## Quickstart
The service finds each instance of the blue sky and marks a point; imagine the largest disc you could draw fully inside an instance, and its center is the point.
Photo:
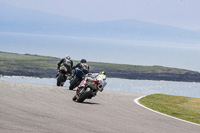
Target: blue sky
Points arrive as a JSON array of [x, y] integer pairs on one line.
[[179, 13]]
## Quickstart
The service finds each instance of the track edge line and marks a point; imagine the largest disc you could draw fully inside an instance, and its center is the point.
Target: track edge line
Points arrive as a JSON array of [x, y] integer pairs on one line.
[[138, 103]]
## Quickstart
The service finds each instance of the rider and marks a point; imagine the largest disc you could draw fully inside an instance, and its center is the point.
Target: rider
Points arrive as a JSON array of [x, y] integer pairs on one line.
[[82, 66], [67, 62], [101, 75], [98, 77], [78, 74]]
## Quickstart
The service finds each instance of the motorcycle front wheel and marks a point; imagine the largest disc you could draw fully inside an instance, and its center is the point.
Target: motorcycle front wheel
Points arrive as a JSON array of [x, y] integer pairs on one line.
[[84, 95]]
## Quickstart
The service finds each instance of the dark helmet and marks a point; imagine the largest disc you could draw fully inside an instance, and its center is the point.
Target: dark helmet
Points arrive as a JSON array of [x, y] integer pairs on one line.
[[83, 61]]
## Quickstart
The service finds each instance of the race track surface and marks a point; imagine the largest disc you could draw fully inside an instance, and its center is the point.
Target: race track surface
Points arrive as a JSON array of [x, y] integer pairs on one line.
[[31, 108]]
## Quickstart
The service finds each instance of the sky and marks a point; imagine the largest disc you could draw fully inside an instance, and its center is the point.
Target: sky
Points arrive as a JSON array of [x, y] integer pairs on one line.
[[179, 13]]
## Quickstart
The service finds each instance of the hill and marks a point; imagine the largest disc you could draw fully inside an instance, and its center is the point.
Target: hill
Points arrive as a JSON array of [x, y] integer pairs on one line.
[[15, 19], [45, 66]]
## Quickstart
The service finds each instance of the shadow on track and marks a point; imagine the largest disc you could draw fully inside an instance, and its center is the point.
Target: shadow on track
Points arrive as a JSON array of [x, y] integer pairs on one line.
[[89, 103]]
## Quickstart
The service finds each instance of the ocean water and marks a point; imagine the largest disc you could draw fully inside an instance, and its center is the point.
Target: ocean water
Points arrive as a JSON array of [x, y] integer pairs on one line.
[[168, 54], [124, 85]]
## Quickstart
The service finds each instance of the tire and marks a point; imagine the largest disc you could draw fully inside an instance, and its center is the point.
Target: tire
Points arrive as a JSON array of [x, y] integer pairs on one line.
[[62, 84], [59, 79], [73, 84], [85, 95], [74, 98]]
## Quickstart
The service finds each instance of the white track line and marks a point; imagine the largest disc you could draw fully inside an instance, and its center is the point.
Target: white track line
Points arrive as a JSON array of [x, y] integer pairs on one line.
[[138, 103]]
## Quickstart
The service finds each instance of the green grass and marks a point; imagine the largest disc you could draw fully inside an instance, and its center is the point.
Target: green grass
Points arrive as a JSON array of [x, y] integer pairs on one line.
[[14, 56], [26, 64], [26, 60], [35, 65], [46, 61], [127, 67], [186, 108]]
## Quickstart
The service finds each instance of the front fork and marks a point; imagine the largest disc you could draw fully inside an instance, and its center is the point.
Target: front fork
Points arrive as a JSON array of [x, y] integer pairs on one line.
[[76, 96], [79, 91]]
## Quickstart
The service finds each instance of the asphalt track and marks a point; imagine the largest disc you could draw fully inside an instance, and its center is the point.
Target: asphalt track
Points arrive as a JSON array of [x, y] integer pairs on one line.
[[31, 108]]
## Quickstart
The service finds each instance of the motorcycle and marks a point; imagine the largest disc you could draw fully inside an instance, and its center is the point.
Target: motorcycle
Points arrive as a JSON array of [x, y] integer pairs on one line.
[[89, 86], [77, 76], [62, 75]]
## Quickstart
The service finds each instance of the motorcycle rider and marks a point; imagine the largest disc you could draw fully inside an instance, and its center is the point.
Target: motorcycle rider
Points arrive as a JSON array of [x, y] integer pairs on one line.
[[98, 76], [83, 66], [103, 76], [81, 69], [67, 62]]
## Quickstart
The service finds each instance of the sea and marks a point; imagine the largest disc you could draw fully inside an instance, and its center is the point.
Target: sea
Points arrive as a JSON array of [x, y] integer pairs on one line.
[[146, 87]]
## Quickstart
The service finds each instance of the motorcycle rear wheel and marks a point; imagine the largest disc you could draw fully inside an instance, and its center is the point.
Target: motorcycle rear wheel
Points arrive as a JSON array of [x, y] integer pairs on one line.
[[59, 79]]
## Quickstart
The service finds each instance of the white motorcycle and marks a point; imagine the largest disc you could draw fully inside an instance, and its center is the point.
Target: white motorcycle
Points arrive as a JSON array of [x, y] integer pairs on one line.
[[89, 86]]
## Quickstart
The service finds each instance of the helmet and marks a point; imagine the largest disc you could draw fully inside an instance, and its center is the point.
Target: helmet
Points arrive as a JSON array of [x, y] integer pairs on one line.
[[83, 60], [103, 73], [68, 57]]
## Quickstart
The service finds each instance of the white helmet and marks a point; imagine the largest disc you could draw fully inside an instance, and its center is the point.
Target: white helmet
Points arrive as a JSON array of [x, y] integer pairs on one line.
[[68, 57]]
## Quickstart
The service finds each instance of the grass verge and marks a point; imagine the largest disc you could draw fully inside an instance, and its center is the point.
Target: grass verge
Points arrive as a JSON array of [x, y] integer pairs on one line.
[[185, 108]]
